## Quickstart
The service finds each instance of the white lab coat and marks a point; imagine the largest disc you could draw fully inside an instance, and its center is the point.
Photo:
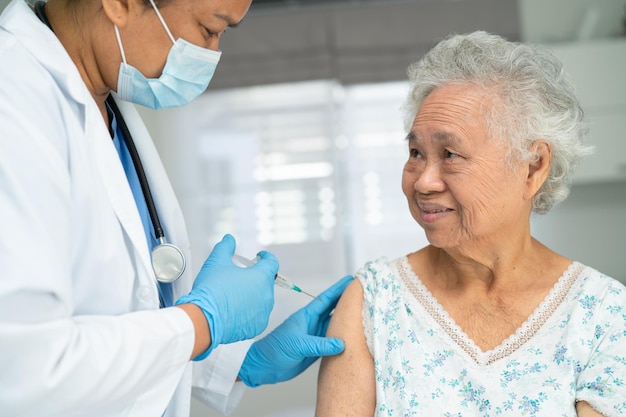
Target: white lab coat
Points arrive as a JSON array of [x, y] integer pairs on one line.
[[81, 333]]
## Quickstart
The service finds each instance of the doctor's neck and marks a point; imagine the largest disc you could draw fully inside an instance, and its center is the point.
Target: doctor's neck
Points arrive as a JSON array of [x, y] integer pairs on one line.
[[82, 27]]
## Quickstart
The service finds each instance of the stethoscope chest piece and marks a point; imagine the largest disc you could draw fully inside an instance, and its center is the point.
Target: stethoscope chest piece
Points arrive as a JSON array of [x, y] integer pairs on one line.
[[168, 262]]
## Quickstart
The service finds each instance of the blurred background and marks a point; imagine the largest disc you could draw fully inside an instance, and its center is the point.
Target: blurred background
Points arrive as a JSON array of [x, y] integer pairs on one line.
[[297, 147]]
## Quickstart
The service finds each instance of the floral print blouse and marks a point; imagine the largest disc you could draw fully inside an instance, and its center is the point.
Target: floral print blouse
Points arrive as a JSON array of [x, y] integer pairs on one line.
[[572, 348]]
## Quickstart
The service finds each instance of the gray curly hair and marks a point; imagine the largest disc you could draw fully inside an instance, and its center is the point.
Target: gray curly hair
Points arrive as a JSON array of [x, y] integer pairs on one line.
[[539, 100]]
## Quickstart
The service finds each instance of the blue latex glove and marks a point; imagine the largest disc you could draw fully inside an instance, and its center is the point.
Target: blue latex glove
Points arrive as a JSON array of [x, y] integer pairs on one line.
[[236, 301], [294, 345]]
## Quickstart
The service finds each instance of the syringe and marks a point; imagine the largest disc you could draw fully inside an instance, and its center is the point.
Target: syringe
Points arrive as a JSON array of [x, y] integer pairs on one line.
[[279, 280]]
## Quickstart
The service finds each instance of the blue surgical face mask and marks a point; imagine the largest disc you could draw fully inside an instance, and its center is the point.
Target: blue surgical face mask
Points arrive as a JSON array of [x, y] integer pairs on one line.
[[187, 73]]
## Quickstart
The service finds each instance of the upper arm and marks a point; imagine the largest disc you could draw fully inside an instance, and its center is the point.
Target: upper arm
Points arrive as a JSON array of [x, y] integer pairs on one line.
[[583, 409], [346, 384], [600, 328]]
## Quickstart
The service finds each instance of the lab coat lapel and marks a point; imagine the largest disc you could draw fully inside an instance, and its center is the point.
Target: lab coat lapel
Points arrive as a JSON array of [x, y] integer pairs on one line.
[[168, 209], [118, 189]]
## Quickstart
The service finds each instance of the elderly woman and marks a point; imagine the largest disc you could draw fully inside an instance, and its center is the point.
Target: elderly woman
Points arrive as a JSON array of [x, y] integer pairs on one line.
[[485, 320]]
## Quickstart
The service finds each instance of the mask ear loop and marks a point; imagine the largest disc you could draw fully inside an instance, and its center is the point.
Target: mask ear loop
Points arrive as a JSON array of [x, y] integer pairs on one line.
[[162, 21], [119, 42]]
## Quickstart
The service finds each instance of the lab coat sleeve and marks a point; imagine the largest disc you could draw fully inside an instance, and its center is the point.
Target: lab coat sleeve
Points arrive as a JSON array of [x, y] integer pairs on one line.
[[214, 379], [92, 366]]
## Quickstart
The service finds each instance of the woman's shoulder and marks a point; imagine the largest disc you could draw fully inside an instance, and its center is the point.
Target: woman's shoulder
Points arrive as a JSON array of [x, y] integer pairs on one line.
[[380, 273], [597, 294], [596, 282], [380, 266]]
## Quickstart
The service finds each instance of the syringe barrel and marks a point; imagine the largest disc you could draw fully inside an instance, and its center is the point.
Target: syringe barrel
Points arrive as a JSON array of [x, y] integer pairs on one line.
[[283, 282], [243, 261], [278, 279]]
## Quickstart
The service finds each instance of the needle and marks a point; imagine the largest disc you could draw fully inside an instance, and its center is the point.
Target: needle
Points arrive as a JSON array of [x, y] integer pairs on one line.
[[279, 280]]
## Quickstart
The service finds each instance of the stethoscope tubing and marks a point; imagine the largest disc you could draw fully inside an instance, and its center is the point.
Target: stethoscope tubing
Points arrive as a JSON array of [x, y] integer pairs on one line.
[[168, 261], [141, 174]]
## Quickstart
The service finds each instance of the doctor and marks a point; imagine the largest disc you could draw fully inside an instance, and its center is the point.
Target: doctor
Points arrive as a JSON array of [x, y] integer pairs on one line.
[[85, 327]]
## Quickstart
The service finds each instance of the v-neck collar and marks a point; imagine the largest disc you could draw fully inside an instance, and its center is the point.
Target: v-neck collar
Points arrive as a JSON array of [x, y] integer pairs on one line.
[[522, 335]]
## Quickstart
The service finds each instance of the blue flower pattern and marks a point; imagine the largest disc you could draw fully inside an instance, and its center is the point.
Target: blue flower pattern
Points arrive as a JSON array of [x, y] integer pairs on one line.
[[579, 353]]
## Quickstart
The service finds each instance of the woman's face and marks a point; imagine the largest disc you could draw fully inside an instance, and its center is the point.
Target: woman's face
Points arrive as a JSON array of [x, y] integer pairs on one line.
[[459, 186], [200, 22]]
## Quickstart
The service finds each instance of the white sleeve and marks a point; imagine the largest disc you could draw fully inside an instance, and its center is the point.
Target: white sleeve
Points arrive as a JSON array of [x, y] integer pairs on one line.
[[215, 378]]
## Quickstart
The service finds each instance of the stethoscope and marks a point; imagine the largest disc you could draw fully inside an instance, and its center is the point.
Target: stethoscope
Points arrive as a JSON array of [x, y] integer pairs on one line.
[[168, 261]]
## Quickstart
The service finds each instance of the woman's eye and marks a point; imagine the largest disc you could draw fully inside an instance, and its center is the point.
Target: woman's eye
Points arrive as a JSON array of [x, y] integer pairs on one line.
[[450, 154]]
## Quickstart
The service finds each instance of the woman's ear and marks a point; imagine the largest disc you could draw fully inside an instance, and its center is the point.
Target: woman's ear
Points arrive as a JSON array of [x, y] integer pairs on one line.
[[117, 11], [539, 167]]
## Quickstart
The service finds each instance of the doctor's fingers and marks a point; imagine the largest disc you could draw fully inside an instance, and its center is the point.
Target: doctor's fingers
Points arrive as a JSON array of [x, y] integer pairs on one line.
[[222, 252], [327, 300], [267, 263]]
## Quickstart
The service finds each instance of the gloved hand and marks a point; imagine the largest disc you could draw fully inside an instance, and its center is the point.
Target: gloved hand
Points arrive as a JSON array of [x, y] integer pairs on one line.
[[294, 345], [236, 301]]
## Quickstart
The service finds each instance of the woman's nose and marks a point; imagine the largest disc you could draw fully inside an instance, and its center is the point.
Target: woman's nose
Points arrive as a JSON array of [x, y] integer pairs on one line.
[[430, 179]]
